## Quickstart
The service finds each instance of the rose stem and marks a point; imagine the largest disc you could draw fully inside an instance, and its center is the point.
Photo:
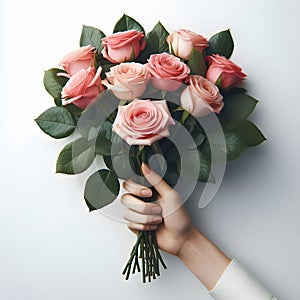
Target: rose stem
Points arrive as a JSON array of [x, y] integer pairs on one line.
[[148, 265], [154, 257], [143, 260], [157, 251], [133, 253], [136, 263]]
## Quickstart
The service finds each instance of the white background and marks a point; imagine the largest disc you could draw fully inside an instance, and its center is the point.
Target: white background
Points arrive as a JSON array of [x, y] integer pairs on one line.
[[53, 249]]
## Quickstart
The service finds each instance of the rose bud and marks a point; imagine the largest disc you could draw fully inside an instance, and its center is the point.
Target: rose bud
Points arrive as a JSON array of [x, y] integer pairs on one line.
[[82, 58], [82, 88], [123, 46], [224, 71], [182, 42]]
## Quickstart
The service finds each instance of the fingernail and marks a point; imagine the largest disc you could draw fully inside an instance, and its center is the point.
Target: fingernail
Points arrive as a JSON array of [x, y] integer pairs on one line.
[[157, 219], [153, 227], [146, 169], [156, 209], [146, 192]]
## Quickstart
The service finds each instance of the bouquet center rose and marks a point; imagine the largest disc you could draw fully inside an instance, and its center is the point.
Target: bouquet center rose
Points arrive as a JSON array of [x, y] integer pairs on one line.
[[143, 122]]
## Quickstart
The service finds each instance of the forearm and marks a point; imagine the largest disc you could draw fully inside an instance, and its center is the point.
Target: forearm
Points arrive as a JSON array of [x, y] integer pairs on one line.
[[203, 258]]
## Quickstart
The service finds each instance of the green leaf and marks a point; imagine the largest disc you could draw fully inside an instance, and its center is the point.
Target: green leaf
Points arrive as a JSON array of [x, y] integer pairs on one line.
[[75, 157], [127, 23], [198, 137], [157, 39], [105, 69], [198, 166], [190, 122], [197, 63], [221, 43], [172, 154], [103, 143], [205, 167], [235, 91], [236, 107], [56, 122], [249, 133], [108, 162], [54, 84], [73, 109], [190, 165], [156, 43], [245, 135], [235, 145], [101, 189], [92, 36]]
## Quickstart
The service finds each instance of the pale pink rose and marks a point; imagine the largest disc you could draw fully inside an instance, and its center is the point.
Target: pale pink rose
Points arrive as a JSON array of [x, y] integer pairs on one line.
[[82, 88], [123, 46], [143, 122], [82, 58], [231, 74], [167, 71], [182, 42], [201, 97], [127, 80]]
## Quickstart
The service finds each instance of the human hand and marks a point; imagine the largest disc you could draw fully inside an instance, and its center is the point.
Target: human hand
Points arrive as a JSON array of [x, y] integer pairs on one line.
[[167, 215]]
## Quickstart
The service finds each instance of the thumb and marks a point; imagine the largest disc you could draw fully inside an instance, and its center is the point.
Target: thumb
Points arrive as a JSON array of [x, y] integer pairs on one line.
[[170, 200], [156, 181]]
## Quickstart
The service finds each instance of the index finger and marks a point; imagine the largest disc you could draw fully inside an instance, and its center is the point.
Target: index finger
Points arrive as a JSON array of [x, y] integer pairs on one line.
[[155, 180], [137, 189]]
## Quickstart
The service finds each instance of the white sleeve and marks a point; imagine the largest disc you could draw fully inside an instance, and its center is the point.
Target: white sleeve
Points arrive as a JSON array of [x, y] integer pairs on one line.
[[236, 283]]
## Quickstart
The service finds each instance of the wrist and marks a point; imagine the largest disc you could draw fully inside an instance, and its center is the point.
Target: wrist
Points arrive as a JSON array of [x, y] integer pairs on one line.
[[193, 238], [203, 258]]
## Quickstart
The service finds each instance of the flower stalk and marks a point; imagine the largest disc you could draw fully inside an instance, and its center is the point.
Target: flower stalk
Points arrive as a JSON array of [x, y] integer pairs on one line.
[[145, 250]]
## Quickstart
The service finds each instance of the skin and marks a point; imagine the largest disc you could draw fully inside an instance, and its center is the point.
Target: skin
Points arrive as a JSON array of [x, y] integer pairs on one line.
[[175, 232]]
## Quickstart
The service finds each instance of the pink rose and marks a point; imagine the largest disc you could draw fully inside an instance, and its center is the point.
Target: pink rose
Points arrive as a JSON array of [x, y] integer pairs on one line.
[[82, 88], [182, 42], [127, 80], [82, 58], [167, 71], [123, 46], [231, 74], [201, 97], [143, 122]]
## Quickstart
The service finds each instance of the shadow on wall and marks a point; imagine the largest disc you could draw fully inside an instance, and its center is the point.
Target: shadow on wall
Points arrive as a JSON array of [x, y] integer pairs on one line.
[[238, 173]]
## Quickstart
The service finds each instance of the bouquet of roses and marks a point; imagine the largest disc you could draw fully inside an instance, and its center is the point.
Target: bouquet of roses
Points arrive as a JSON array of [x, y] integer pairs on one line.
[[170, 100]]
